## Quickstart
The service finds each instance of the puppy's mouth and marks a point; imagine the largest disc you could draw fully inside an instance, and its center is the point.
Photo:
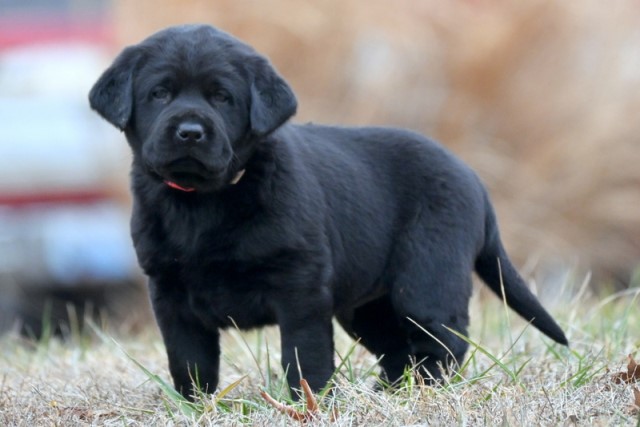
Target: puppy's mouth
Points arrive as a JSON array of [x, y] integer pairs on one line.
[[187, 174]]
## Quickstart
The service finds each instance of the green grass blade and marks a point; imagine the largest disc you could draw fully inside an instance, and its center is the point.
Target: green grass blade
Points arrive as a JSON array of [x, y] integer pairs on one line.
[[486, 352], [187, 408]]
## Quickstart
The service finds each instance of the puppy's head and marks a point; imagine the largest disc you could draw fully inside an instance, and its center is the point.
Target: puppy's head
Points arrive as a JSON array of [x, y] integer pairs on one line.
[[193, 101]]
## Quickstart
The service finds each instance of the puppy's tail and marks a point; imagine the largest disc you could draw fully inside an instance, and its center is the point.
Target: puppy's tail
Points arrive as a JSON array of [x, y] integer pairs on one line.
[[495, 269]]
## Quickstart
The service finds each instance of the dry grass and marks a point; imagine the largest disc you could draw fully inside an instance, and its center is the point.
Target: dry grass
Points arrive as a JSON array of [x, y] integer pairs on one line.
[[511, 378]]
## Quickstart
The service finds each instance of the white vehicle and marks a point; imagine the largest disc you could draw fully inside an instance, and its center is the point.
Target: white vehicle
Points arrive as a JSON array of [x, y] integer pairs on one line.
[[63, 206]]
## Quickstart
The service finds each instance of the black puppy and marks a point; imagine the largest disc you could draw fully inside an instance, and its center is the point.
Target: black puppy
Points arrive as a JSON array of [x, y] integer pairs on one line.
[[241, 219]]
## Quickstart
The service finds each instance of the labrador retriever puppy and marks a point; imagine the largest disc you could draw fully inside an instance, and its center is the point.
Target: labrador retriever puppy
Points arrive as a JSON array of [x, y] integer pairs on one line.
[[243, 219]]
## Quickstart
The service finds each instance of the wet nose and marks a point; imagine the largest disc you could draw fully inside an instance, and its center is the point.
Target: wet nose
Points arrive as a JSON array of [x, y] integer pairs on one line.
[[190, 132]]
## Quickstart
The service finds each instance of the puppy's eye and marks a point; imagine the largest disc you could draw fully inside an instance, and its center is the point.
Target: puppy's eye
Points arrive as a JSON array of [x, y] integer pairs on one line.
[[221, 95], [160, 93]]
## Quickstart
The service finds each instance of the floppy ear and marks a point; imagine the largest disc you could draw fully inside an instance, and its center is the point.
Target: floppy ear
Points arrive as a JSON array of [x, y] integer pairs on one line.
[[272, 100], [112, 95]]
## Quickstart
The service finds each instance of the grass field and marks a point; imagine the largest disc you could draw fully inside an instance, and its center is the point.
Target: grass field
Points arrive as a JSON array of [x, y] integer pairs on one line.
[[512, 376]]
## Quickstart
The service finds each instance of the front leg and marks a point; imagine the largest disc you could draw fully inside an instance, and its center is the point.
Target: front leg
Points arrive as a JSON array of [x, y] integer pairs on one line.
[[193, 350], [306, 334]]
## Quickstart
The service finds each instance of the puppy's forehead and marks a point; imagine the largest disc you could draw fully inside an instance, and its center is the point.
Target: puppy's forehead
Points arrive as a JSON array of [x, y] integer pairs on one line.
[[196, 46]]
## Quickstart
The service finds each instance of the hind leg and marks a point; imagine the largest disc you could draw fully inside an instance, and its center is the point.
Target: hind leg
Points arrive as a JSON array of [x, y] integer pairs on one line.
[[431, 289]]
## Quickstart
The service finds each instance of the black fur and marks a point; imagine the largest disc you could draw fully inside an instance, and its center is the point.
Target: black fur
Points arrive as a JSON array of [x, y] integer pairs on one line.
[[377, 227]]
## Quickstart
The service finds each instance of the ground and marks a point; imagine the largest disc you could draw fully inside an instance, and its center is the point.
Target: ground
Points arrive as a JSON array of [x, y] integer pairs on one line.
[[512, 376]]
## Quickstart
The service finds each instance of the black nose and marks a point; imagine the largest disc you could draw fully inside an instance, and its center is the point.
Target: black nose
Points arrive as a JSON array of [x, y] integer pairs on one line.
[[190, 132]]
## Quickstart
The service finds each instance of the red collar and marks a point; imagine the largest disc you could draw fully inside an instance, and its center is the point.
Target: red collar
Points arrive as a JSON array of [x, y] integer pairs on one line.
[[234, 181]]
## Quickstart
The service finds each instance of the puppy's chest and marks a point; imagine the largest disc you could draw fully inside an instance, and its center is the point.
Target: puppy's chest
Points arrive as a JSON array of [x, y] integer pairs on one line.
[[232, 279], [222, 296]]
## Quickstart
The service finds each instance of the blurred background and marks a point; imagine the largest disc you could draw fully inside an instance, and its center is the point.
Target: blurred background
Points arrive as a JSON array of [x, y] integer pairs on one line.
[[541, 98]]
